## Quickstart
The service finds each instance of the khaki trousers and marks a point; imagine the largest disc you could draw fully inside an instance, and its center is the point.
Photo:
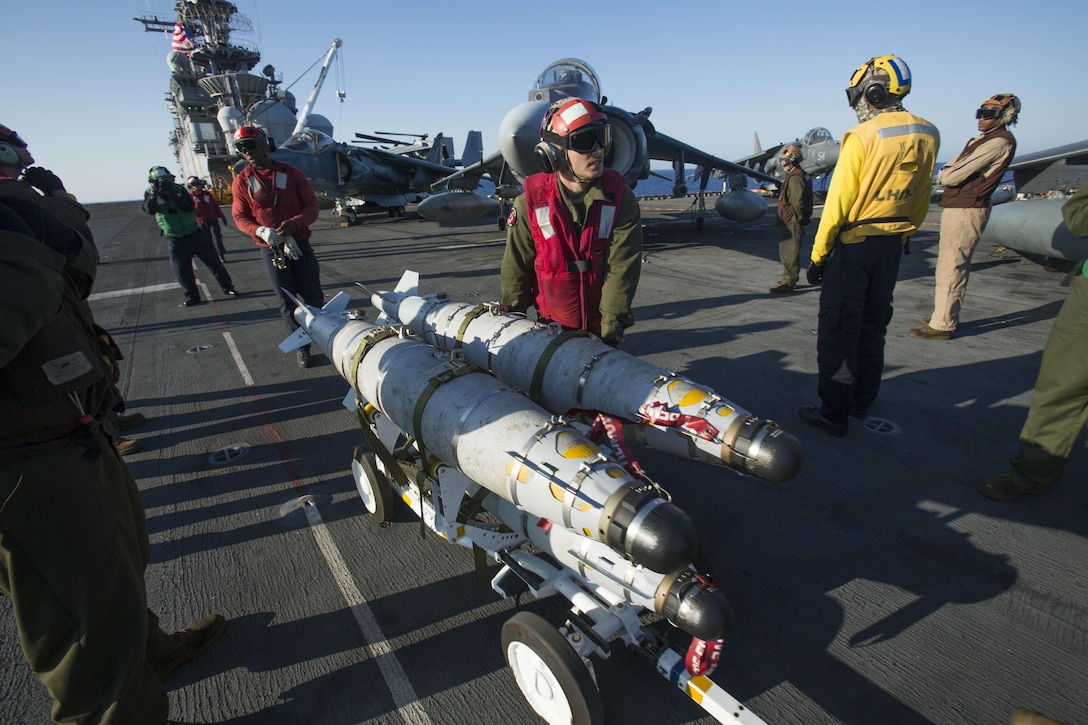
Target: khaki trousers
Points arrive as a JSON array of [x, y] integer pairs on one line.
[[960, 232]]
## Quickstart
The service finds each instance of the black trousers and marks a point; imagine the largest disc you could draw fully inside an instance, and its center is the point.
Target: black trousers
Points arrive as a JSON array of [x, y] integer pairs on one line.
[[215, 233], [302, 278], [855, 309], [182, 251]]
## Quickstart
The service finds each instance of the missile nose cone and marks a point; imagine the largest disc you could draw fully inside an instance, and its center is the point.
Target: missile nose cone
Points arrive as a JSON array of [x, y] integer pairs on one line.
[[768, 451], [663, 540], [701, 611], [650, 530]]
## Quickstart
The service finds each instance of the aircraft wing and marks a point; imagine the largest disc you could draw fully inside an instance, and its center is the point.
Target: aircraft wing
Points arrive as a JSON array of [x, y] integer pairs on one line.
[[409, 162], [667, 148], [493, 166], [759, 158], [1061, 167]]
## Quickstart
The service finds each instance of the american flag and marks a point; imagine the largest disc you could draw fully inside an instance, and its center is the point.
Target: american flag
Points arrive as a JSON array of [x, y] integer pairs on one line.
[[180, 41]]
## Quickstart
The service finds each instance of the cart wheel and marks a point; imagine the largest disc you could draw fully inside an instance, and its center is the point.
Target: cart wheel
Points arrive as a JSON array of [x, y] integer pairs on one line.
[[550, 674], [372, 485]]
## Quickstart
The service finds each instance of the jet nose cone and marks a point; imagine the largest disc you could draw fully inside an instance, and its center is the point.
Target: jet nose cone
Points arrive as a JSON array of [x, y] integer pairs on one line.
[[519, 133]]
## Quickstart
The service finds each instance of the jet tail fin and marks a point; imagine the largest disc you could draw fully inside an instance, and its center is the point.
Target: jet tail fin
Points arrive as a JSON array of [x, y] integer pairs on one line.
[[437, 154], [756, 147], [474, 149]]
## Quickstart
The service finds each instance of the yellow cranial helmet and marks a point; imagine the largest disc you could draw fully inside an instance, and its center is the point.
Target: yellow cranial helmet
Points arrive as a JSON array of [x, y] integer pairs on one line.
[[879, 80]]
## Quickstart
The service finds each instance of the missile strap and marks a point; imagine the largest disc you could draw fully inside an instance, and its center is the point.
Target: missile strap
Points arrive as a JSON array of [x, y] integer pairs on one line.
[[376, 446], [546, 356], [469, 317]]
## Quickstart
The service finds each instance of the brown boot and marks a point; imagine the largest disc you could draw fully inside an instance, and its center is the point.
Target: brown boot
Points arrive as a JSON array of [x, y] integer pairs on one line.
[[126, 446], [783, 288], [186, 644], [928, 333], [1005, 486], [1021, 716], [124, 422]]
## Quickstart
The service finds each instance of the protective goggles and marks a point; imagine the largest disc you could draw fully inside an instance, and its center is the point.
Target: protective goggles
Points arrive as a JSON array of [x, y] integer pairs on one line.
[[247, 145], [13, 139], [585, 140], [989, 112]]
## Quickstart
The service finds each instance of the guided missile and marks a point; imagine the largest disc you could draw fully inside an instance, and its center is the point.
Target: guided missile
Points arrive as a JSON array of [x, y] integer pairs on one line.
[[570, 372], [499, 438], [593, 567]]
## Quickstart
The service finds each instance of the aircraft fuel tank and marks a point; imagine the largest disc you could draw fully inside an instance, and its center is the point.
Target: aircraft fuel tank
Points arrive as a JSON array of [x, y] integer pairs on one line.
[[1034, 226], [741, 205]]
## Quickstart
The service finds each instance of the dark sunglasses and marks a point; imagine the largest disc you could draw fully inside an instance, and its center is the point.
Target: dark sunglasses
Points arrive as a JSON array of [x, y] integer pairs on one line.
[[246, 146], [988, 113], [588, 139]]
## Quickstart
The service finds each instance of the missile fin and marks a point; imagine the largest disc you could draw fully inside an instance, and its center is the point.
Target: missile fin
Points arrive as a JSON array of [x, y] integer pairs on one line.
[[409, 283], [295, 340], [337, 304]]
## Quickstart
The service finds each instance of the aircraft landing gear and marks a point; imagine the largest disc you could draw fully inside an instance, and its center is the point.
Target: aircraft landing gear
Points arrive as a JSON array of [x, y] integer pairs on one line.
[[504, 212], [550, 674], [372, 485], [395, 211], [700, 212]]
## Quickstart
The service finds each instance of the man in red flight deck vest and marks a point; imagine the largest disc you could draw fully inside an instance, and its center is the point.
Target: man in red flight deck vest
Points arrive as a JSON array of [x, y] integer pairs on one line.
[[574, 236], [208, 214]]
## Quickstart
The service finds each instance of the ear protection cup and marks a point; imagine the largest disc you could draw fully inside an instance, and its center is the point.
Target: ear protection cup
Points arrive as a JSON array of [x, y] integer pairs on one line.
[[876, 94], [8, 155], [547, 158]]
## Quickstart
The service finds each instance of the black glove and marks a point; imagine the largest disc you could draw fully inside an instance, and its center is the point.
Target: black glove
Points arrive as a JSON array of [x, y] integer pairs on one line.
[[611, 341], [43, 179], [815, 273]]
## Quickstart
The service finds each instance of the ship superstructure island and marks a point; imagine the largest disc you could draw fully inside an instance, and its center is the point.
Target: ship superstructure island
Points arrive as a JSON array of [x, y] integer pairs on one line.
[[213, 90]]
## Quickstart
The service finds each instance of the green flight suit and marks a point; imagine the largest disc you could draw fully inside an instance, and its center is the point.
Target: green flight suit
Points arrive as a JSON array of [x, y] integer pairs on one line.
[[1059, 403]]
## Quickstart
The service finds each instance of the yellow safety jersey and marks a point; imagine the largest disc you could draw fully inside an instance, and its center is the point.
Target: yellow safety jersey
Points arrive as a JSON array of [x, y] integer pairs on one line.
[[882, 181]]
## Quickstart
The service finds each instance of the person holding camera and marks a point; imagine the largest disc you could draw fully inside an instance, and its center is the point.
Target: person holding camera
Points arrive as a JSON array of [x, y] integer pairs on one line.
[[175, 213], [20, 180]]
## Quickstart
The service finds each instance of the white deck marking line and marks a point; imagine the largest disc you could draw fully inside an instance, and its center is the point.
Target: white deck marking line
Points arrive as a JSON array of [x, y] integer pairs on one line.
[[404, 695], [377, 644], [134, 291]]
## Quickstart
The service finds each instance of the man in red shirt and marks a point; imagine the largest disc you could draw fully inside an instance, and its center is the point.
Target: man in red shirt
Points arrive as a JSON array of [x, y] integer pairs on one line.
[[275, 205], [208, 214]]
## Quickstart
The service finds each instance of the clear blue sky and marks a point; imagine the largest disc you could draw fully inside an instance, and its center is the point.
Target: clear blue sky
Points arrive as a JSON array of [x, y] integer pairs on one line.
[[85, 85]]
